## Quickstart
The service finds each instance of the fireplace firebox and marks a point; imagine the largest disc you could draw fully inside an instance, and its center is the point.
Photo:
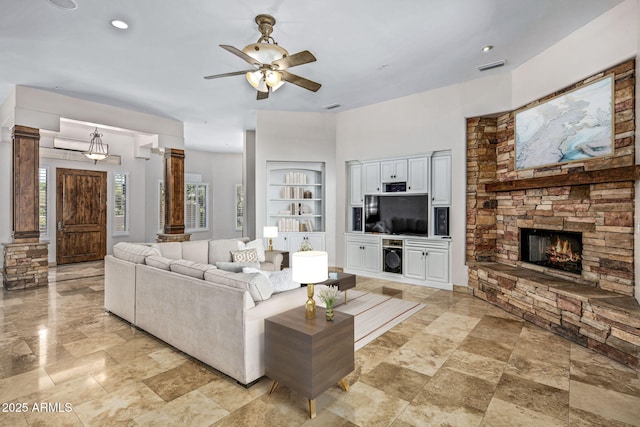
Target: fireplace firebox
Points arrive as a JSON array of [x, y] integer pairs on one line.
[[561, 250]]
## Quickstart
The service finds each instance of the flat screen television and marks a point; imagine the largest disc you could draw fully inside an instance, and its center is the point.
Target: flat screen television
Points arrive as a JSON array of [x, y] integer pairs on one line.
[[396, 214]]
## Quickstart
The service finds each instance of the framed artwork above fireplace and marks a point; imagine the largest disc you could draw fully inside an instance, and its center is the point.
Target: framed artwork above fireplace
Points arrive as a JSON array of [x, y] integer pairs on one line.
[[575, 125]]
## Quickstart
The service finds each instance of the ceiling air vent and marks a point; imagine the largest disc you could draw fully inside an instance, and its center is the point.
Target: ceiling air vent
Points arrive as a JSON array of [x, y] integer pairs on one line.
[[491, 65], [332, 106]]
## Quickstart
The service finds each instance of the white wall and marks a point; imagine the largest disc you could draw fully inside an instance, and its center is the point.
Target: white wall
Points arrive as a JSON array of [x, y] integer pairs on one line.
[[304, 137], [220, 171], [606, 41]]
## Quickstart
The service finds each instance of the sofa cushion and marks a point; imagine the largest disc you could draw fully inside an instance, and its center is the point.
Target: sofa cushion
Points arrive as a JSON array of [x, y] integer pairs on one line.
[[171, 250], [248, 255], [258, 285], [220, 250], [196, 251], [133, 252], [254, 244], [190, 268], [158, 261], [236, 267]]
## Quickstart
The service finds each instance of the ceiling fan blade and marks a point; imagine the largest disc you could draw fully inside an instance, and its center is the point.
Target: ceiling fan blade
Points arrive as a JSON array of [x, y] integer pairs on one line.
[[262, 95], [242, 55], [233, 73], [299, 58], [300, 81]]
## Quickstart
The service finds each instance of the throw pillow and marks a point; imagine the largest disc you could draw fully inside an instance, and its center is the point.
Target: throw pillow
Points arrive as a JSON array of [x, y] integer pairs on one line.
[[254, 244], [281, 281], [237, 267], [250, 270], [249, 255], [260, 287]]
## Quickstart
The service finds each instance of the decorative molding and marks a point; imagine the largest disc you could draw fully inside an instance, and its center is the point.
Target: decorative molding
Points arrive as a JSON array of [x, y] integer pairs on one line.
[[76, 156]]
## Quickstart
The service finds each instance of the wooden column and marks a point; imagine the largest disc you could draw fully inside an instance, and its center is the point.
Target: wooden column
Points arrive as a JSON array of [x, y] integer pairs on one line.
[[173, 196], [25, 259], [26, 162]]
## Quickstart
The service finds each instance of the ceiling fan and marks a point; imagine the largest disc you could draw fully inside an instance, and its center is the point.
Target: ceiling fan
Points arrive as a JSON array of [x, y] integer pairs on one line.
[[270, 61]]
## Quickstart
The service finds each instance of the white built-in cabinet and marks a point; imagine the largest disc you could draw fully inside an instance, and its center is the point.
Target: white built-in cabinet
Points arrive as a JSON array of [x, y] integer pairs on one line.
[[418, 180], [441, 180], [356, 196], [426, 260], [291, 241], [393, 170], [371, 178], [295, 204], [363, 253]]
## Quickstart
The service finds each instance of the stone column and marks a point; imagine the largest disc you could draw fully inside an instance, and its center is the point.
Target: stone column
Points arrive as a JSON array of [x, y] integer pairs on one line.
[[173, 197], [25, 259]]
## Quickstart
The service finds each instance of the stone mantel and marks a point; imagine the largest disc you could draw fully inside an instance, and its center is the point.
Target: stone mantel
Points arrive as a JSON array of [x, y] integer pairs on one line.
[[620, 174]]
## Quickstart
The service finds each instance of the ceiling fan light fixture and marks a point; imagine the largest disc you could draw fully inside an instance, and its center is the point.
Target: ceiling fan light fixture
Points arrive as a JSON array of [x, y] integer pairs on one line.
[[254, 77], [273, 78], [266, 53], [276, 87]]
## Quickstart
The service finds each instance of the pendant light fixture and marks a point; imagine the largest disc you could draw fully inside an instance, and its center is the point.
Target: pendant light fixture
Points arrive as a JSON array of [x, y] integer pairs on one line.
[[97, 150]]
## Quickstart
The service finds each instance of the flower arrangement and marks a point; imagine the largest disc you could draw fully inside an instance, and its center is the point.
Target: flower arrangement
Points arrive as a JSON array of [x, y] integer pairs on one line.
[[329, 296], [306, 246]]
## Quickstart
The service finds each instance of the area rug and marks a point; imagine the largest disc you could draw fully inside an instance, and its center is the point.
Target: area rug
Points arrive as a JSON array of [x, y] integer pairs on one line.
[[375, 314]]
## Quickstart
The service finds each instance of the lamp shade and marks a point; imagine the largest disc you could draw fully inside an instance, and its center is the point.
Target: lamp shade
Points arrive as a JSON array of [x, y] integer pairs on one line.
[[309, 267], [270, 231]]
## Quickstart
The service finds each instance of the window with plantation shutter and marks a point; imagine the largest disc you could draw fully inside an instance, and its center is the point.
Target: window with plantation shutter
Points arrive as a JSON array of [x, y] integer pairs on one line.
[[120, 203], [196, 203], [42, 207], [196, 207], [239, 207]]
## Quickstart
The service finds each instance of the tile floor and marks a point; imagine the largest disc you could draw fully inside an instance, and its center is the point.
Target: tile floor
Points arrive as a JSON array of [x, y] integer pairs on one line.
[[458, 362]]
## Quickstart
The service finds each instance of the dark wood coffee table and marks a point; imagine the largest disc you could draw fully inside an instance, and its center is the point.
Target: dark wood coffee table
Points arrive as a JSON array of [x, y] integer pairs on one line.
[[343, 282], [308, 355]]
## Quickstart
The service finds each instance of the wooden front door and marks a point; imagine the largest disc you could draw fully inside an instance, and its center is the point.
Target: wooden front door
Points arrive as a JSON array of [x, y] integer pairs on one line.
[[81, 215]]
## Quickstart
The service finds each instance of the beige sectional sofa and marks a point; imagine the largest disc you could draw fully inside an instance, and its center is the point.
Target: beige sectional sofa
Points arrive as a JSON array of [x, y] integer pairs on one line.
[[174, 292]]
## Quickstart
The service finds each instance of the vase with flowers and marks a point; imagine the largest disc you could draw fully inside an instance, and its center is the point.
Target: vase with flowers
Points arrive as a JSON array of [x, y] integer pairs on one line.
[[329, 296]]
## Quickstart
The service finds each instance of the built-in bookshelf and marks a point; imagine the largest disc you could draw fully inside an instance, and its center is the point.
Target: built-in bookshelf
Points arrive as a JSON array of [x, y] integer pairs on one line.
[[295, 196]]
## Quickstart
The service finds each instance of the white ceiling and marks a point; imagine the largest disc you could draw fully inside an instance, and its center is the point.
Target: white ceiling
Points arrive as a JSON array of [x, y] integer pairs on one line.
[[368, 51]]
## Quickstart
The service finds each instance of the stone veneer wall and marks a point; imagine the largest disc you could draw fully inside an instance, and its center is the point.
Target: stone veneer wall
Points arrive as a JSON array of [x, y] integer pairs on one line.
[[602, 316], [603, 212], [25, 265], [481, 206]]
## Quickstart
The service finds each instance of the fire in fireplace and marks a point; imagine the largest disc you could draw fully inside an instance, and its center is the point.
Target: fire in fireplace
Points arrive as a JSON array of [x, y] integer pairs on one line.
[[561, 250]]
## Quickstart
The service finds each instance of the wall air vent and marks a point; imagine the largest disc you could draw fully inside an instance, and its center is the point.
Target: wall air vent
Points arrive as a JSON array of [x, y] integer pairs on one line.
[[491, 65]]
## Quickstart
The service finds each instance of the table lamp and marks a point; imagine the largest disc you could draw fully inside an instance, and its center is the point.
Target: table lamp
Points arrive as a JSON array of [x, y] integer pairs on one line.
[[270, 232], [309, 267]]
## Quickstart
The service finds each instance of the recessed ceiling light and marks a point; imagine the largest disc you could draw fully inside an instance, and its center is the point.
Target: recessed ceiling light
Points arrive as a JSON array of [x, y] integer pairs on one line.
[[64, 4], [487, 48], [120, 24]]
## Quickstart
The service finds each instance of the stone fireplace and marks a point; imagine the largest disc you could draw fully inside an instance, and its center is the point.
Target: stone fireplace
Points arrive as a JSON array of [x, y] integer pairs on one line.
[[561, 250], [555, 244]]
